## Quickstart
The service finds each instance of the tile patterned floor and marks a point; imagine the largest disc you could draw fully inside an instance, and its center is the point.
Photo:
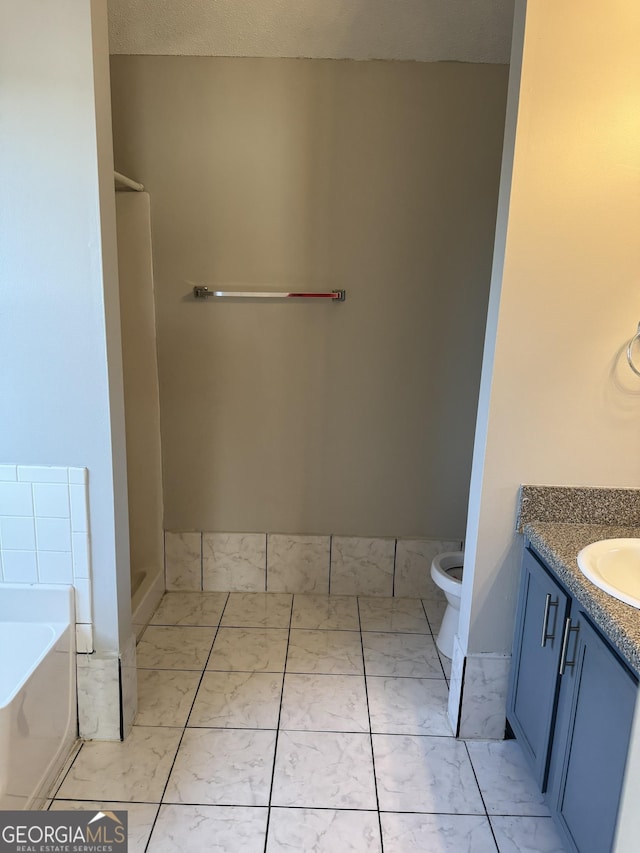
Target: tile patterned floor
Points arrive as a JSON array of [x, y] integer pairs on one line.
[[305, 724]]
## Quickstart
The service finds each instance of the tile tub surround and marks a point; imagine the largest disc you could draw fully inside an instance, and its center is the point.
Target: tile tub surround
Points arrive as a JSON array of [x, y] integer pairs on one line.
[[243, 758], [44, 533], [45, 538], [278, 562]]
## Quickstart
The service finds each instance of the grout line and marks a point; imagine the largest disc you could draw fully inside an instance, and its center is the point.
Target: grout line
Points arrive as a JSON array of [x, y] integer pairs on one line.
[[266, 561], [184, 728], [373, 757], [393, 580], [475, 776], [64, 773], [275, 747]]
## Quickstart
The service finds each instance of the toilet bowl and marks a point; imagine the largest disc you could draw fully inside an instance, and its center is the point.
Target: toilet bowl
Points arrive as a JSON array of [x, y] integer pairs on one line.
[[446, 572]]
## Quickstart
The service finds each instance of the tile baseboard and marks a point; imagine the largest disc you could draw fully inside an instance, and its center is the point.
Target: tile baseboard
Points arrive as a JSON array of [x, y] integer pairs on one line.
[[275, 562]]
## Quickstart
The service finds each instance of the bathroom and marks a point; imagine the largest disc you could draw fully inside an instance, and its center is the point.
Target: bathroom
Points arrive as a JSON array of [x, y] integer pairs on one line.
[[551, 348]]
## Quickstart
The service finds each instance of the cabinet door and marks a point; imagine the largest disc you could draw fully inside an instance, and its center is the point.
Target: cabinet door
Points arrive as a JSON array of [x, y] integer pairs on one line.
[[533, 688], [591, 739]]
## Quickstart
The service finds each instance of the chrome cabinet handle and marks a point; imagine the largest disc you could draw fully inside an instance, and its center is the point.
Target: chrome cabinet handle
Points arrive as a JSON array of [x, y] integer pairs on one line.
[[548, 604], [568, 628]]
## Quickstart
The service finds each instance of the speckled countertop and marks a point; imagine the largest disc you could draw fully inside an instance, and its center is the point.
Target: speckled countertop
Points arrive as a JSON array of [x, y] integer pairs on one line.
[[559, 544]]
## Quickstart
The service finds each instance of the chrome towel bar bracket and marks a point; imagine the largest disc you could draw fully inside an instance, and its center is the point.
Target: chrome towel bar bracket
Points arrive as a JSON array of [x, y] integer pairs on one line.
[[201, 292], [630, 351]]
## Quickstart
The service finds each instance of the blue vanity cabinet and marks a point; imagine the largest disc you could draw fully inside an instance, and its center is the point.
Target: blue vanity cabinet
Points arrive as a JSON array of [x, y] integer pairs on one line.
[[591, 738], [533, 689]]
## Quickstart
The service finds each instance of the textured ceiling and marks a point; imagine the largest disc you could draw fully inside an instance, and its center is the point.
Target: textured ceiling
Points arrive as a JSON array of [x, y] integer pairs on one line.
[[425, 30]]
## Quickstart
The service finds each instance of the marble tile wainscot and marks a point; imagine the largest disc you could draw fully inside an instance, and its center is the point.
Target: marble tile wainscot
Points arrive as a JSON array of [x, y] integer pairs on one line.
[[302, 564]]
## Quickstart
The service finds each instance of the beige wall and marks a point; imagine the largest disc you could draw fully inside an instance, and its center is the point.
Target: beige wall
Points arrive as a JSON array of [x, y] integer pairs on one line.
[[380, 178], [141, 397], [561, 405]]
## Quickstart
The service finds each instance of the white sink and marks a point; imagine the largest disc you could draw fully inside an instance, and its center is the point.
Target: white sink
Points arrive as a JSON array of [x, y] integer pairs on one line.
[[614, 566]]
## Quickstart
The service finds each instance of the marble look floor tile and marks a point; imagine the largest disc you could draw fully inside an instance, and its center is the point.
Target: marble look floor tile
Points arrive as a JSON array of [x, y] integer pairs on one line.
[[404, 615], [298, 563], [334, 703], [222, 767], [323, 831], [174, 647], [526, 835], [445, 663], [198, 609], [408, 706], [140, 817], [330, 652], [324, 770], [249, 650], [412, 655], [507, 786], [425, 774], [326, 612], [362, 566], [165, 696], [257, 610], [135, 770], [183, 561], [435, 611], [209, 829], [234, 561], [445, 833], [240, 700]]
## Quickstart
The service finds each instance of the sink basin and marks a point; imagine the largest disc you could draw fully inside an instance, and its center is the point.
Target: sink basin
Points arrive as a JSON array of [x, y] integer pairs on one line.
[[614, 566]]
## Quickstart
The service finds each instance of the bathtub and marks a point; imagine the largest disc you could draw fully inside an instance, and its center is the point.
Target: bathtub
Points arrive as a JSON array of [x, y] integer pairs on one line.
[[38, 716]]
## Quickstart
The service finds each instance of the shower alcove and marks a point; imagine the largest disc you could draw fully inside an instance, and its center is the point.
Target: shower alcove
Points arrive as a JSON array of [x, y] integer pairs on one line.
[[141, 398]]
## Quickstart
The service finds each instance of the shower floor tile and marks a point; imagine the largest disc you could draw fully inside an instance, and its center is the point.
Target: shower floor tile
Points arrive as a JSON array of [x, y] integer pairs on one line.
[[263, 733]]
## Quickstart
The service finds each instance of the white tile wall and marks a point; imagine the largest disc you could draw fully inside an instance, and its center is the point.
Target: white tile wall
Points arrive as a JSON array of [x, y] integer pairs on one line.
[[44, 533]]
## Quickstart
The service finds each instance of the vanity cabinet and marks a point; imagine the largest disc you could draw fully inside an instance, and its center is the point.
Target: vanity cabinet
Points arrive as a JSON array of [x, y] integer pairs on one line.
[[543, 607], [571, 704]]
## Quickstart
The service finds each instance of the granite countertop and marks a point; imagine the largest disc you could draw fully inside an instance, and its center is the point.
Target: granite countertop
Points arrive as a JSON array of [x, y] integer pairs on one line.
[[559, 544]]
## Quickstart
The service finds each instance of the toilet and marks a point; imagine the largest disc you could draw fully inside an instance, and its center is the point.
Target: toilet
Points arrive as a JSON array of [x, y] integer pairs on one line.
[[446, 572]]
